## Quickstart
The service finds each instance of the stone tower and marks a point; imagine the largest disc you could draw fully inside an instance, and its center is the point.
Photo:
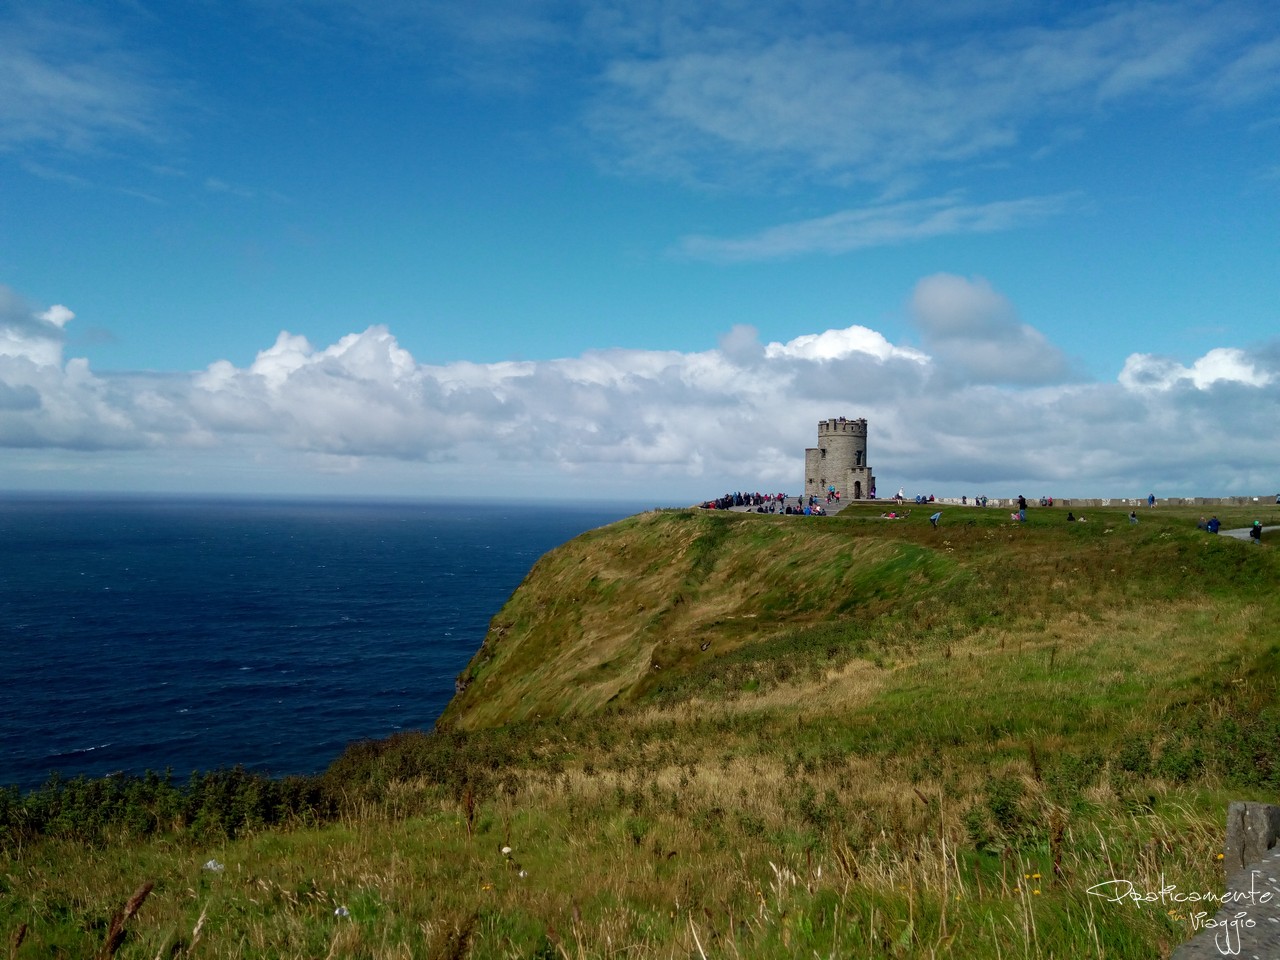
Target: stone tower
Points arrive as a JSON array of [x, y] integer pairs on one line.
[[840, 461]]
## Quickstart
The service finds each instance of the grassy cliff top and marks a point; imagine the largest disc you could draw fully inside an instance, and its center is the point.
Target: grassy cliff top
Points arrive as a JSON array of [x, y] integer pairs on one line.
[[735, 735], [716, 608]]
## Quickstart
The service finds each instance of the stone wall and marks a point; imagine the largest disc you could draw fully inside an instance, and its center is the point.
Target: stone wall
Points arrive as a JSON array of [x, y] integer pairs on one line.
[[1075, 503]]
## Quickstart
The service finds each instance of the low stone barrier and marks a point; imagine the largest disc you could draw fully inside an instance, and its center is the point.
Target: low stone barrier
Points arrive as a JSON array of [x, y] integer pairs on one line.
[[1075, 503]]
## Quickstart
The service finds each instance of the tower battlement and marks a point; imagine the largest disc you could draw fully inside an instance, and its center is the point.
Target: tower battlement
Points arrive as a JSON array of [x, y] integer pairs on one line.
[[842, 426]]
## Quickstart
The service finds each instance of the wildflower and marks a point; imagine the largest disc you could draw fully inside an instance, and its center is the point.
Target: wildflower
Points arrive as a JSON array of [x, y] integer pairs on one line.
[[506, 851], [523, 874], [214, 866], [1220, 856], [342, 912], [1036, 892]]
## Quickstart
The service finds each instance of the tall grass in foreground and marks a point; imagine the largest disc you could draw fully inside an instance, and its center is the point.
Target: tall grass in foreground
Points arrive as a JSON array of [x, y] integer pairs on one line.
[[1032, 712], [740, 860]]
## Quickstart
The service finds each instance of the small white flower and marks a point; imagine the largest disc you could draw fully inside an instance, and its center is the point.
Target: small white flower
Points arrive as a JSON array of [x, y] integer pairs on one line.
[[342, 912], [524, 873], [215, 866], [506, 851]]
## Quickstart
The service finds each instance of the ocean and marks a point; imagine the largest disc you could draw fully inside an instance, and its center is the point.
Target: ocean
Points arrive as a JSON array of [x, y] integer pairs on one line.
[[184, 634]]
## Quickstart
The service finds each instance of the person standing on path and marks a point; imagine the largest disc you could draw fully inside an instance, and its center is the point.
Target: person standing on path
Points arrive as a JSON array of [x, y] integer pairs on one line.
[[1255, 532]]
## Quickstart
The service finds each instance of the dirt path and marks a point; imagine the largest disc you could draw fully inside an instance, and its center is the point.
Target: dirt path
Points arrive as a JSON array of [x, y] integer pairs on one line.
[[1243, 532]]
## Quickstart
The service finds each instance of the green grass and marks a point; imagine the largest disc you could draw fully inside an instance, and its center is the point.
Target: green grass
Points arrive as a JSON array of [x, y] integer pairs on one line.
[[897, 742]]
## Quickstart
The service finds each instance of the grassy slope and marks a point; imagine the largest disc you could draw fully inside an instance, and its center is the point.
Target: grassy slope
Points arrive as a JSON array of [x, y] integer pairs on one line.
[[623, 614], [598, 623], [897, 742]]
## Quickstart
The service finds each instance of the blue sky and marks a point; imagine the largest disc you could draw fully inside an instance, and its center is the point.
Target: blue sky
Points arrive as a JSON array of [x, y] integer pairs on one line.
[[638, 249]]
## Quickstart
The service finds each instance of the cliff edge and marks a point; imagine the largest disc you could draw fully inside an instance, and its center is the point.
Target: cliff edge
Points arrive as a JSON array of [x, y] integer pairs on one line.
[[632, 608]]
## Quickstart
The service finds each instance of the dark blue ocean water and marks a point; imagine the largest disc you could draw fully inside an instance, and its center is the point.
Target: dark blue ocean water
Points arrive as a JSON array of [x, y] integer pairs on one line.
[[185, 634]]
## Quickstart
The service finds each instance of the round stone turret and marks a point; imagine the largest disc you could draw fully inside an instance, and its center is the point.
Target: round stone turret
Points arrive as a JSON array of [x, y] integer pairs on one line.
[[838, 464]]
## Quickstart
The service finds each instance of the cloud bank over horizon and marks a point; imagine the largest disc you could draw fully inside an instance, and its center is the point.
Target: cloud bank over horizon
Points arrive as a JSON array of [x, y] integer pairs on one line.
[[984, 403]]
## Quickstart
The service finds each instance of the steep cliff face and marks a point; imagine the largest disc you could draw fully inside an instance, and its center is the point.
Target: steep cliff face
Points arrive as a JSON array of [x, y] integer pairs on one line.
[[618, 611]]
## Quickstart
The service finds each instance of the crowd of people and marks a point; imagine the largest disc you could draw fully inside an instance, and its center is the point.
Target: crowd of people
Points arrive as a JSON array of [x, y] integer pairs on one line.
[[770, 502]]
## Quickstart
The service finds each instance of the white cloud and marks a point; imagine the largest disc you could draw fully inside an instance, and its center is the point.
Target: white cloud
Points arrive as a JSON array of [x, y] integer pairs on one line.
[[217, 185], [68, 81], [58, 315], [875, 226], [975, 333], [836, 92], [838, 344], [1145, 372], [720, 91], [1251, 75], [34, 337], [982, 407]]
